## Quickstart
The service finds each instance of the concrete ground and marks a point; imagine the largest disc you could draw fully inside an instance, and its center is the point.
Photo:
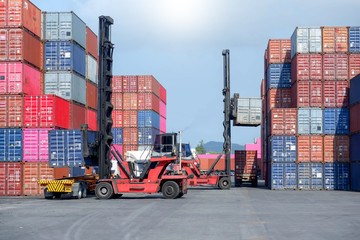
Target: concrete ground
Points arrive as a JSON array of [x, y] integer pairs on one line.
[[204, 213]]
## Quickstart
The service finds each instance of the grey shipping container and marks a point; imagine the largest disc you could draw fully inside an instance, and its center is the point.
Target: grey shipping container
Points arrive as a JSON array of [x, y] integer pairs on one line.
[[64, 26], [65, 84], [310, 121], [306, 40], [248, 112], [91, 69]]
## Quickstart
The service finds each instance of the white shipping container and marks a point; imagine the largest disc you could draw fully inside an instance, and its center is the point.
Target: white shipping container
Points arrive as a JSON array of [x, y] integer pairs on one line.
[[306, 40], [248, 111], [65, 84], [91, 69]]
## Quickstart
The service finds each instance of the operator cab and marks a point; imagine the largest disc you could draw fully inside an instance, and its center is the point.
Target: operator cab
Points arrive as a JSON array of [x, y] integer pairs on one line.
[[165, 145], [186, 153]]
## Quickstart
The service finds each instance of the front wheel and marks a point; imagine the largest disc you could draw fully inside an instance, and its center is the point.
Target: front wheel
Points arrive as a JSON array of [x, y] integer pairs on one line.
[[103, 190], [170, 190], [224, 183]]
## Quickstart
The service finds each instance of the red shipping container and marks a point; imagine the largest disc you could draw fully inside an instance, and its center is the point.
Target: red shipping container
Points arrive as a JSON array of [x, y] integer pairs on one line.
[[91, 95], [116, 84], [335, 66], [11, 111], [130, 118], [354, 65], [117, 116], [18, 45], [307, 94], [77, 115], [206, 161], [265, 63], [61, 172], [310, 148], [283, 121], [129, 84], [162, 94], [306, 67], [262, 92], [245, 162], [355, 119], [33, 172], [336, 148], [279, 51], [335, 39], [116, 100], [91, 42], [10, 179], [130, 101], [130, 136], [148, 84], [17, 78], [278, 98], [46, 111], [148, 101], [20, 13], [91, 119], [127, 148], [336, 94]]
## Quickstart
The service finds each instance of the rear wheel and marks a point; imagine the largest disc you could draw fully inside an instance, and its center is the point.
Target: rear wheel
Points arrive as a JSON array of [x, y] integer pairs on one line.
[[170, 190], [79, 192], [104, 190], [224, 183], [84, 191], [57, 195]]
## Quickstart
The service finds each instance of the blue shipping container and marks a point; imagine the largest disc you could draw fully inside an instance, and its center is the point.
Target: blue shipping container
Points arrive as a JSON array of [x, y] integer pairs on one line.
[[148, 118], [316, 176], [117, 135], [283, 148], [354, 39], [66, 148], [76, 171], [336, 121], [310, 121], [282, 176], [355, 147], [355, 90], [355, 176], [304, 176], [146, 136], [11, 145], [336, 176], [279, 76], [64, 55]]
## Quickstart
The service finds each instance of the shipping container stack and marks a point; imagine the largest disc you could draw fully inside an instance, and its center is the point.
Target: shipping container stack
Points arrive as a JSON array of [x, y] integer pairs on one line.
[[139, 112]]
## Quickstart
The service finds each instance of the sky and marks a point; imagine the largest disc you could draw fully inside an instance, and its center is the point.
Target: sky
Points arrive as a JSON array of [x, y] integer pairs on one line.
[[180, 43]]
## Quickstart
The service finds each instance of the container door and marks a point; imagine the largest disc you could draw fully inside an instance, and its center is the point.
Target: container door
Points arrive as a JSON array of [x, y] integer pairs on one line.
[[51, 26], [3, 44]]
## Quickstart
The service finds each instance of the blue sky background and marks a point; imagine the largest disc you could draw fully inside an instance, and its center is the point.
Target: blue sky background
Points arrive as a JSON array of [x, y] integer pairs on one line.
[[180, 43]]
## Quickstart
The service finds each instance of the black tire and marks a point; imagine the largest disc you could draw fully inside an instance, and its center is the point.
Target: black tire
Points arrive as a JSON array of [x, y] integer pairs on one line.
[[47, 197], [57, 195], [170, 190], [104, 190], [180, 195], [84, 191], [117, 196], [224, 183], [254, 183], [80, 190]]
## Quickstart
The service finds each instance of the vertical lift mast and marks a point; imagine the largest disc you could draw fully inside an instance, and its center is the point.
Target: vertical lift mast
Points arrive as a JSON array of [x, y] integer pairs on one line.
[[227, 111]]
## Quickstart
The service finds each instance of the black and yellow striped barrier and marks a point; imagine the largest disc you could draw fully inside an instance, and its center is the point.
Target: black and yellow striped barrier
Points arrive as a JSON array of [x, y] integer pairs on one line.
[[57, 185]]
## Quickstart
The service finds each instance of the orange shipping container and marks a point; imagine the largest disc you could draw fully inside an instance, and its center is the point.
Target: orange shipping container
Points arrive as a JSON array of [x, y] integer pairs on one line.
[[91, 95], [11, 111], [310, 148], [61, 172], [336, 148], [335, 39], [206, 161], [279, 51], [307, 94], [91, 43], [130, 136], [20, 13], [33, 172], [283, 121], [116, 83], [354, 65], [148, 84], [130, 101], [117, 116], [279, 98], [130, 118], [18, 45], [116, 100]]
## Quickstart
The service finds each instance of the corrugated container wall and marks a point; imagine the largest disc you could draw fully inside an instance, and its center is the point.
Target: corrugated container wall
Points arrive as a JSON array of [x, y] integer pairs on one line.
[[354, 147], [67, 85], [148, 84], [117, 135], [279, 76], [10, 179], [335, 66], [64, 26], [354, 64], [355, 173], [91, 69], [162, 94], [11, 111], [92, 96], [336, 148], [36, 145], [278, 98], [354, 39], [32, 172], [11, 145], [91, 119], [355, 90], [282, 176], [336, 121], [355, 119], [283, 121], [306, 67], [278, 51], [91, 42], [248, 111], [310, 176], [336, 94], [306, 40], [283, 148], [77, 115], [336, 176], [335, 39], [310, 121], [310, 148], [307, 94]]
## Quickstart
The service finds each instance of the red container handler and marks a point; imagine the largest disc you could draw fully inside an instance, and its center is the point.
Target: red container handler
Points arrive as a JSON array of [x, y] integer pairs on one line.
[[310, 148], [130, 84], [279, 98], [10, 179], [283, 121], [336, 94], [46, 111], [19, 78], [306, 66], [130, 136], [91, 43], [355, 119], [245, 162], [20, 13], [117, 100], [148, 84], [162, 94], [11, 111], [19, 45], [117, 116], [278, 51], [336, 148], [77, 115], [354, 65], [91, 95], [116, 84], [307, 94], [91, 119], [335, 66], [130, 118], [33, 172]]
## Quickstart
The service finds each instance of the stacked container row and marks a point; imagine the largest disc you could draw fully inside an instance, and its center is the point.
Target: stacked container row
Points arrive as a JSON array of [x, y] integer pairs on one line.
[[355, 132]]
